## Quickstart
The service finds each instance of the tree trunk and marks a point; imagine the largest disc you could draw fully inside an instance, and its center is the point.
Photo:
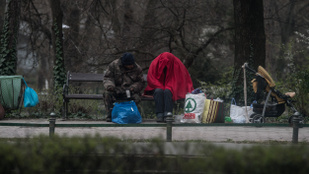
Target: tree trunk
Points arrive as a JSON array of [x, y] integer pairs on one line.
[[2, 11], [127, 26], [287, 29], [73, 60], [57, 40], [9, 38], [43, 70], [249, 43]]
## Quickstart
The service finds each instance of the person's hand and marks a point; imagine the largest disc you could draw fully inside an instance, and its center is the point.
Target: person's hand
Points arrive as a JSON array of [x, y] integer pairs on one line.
[[132, 90], [110, 89]]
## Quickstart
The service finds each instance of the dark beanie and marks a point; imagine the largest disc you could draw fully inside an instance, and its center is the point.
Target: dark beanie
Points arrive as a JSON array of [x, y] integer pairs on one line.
[[127, 59]]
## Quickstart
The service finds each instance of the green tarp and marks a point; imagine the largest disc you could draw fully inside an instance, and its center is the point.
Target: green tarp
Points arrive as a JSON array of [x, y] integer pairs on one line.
[[11, 91]]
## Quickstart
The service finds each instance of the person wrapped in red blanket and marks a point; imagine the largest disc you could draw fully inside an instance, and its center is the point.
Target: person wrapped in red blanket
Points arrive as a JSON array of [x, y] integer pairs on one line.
[[168, 80]]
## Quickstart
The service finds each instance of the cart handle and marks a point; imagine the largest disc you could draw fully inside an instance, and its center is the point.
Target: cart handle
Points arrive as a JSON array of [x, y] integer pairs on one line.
[[247, 67]]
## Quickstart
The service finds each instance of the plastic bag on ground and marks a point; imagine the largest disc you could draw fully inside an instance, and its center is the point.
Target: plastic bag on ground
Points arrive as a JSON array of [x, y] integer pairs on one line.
[[194, 107], [238, 113]]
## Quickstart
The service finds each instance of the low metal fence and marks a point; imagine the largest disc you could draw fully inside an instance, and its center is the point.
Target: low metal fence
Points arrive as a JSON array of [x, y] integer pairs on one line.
[[168, 125]]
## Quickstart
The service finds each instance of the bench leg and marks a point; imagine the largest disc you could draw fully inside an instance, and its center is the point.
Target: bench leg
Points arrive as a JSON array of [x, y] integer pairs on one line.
[[65, 109]]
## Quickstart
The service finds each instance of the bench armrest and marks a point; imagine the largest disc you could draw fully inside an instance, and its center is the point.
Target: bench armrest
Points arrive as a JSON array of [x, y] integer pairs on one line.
[[65, 90]]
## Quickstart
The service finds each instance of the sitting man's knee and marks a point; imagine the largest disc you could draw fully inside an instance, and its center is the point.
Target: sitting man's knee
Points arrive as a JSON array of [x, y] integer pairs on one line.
[[107, 93], [167, 91], [158, 90], [137, 99]]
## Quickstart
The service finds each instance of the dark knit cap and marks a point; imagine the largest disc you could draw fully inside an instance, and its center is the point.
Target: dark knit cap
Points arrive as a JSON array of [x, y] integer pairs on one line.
[[127, 59]]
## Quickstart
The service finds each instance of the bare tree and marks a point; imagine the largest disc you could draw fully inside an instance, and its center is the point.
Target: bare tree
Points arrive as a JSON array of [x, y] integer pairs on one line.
[[35, 43], [99, 31], [282, 19]]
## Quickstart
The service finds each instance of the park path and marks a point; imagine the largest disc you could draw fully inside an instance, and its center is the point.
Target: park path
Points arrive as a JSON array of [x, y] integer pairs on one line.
[[199, 133]]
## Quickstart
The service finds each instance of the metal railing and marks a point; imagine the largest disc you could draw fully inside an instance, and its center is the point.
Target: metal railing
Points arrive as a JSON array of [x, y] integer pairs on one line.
[[169, 125]]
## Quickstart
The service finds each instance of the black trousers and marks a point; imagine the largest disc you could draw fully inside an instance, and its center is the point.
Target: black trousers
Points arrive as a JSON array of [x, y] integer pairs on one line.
[[163, 101]]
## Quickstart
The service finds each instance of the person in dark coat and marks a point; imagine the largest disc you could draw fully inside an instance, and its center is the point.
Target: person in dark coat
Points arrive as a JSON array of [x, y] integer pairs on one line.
[[123, 79]]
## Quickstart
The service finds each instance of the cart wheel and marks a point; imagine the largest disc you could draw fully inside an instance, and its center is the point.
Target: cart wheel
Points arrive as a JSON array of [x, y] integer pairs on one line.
[[251, 117], [258, 119], [301, 120]]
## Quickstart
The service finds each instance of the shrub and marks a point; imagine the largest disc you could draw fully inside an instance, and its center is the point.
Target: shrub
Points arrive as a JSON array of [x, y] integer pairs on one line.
[[51, 101], [298, 81], [110, 155]]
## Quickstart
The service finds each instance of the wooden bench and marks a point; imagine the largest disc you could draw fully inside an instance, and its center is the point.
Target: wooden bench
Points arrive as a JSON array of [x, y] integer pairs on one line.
[[75, 78]]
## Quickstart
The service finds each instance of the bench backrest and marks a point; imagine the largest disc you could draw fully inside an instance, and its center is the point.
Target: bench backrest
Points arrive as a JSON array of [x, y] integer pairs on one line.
[[84, 77], [89, 77]]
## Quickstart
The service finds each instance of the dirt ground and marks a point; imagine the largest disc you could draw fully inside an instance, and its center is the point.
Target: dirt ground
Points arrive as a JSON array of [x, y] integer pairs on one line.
[[22, 128]]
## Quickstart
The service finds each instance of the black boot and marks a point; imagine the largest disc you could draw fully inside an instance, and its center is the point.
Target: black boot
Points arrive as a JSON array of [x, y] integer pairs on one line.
[[160, 118], [167, 114], [109, 116], [108, 119]]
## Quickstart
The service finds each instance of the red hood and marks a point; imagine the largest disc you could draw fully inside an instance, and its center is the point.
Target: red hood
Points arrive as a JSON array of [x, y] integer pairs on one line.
[[177, 77]]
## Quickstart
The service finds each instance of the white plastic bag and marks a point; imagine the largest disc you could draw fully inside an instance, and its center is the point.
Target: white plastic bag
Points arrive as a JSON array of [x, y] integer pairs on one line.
[[194, 107], [238, 113]]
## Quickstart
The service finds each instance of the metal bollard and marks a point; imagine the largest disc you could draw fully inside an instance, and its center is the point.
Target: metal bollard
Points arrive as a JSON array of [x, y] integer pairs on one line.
[[295, 127], [52, 123], [169, 121]]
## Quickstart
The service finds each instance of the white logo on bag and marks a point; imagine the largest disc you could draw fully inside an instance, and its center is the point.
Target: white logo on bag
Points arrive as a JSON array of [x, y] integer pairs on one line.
[[190, 105]]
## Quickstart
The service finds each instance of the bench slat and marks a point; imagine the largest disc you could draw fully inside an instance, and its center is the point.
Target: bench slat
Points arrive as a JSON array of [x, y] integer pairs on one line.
[[84, 96], [98, 97], [86, 77]]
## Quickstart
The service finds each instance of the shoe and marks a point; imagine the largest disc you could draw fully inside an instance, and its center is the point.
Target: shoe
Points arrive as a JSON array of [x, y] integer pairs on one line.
[[109, 116], [168, 114], [108, 119], [160, 118]]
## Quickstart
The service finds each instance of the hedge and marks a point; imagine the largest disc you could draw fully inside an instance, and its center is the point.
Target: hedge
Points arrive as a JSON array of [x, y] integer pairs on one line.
[[54, 155]]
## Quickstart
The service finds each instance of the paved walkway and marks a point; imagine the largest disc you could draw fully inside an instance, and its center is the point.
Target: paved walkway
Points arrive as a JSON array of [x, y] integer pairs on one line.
[[179, 133]]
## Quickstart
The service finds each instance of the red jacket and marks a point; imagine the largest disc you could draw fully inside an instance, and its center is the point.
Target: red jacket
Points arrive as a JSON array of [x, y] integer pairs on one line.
[[177, 78]]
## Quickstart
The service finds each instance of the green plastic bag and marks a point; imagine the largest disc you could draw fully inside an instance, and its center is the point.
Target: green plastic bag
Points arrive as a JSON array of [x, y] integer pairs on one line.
[[228, 120]]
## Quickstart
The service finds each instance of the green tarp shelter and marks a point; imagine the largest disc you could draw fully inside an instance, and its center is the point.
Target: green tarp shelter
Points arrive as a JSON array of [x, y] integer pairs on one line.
[[11, 91]]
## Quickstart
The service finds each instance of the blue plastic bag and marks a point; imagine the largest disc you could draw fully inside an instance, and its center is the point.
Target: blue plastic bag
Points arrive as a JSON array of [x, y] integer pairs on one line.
[[126, 112], [30, 97]]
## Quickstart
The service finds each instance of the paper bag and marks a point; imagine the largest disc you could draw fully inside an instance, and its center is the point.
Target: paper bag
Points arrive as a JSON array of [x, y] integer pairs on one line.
[[213, 112]]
